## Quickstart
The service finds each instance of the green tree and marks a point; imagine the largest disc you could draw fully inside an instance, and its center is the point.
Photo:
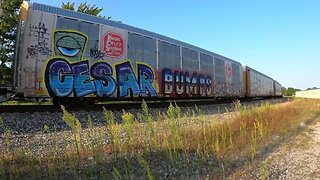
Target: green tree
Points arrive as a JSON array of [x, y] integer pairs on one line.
[[284, 91], [313, 88], [68, 5], [8, 22], [291, 91], [83, 8]]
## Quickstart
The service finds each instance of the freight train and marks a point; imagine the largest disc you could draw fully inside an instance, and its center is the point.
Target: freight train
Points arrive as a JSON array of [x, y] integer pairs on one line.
[[61, 54]]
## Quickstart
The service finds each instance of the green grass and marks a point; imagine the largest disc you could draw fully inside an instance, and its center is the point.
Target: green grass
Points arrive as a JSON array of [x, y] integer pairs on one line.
[[171, 144]]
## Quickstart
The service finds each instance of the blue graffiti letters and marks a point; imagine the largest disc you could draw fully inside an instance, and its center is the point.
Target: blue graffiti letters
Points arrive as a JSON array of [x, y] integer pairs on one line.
[[64, 79], [167, 83], [127, 82], [105, 84], [146, 78], [59, 78], [82, 83]]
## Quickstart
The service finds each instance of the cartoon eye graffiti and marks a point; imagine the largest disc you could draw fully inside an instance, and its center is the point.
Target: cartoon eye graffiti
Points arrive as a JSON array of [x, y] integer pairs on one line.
[[70, 52], [68, 46]]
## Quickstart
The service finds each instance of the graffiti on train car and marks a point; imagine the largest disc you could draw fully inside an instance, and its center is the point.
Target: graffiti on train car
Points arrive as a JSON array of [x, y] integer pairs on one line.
[[70, 44], [64, 78], [38, 30], [41, 46], [227, 89], [228, 69], [67, 73], [96, 54], [185, 84]]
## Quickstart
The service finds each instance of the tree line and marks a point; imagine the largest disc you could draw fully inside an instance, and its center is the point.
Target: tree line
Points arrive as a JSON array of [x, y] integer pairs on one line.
[[290, 91]]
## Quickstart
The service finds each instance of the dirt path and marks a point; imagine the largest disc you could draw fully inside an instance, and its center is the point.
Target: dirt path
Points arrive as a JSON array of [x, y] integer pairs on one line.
[[297, 159]]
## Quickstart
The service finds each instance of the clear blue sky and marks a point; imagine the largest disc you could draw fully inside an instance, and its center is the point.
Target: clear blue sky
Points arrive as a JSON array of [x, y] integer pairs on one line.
[[280, 38]]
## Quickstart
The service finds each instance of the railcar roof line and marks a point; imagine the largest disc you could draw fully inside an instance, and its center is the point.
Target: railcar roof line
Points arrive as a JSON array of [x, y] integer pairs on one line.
[[117, 24]]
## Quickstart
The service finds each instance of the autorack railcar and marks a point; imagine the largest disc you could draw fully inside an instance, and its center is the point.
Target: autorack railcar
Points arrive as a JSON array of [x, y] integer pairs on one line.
[[277, 89], [64, 54], [258, 84]]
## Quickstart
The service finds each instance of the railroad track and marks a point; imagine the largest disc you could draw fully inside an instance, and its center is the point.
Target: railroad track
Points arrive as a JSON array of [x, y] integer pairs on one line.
[[127, 105]]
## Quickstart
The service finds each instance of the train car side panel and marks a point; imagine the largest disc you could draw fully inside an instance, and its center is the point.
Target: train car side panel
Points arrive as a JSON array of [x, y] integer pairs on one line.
[[207, 69], [189, 86], [67, 54], [259, 85], [220, 77], [33, 54], [277, 89], [237, 80], [23, 15], [228, 78]]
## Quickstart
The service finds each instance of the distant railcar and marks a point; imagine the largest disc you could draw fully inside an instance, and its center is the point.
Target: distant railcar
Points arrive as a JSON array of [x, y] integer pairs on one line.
[[258, 84], [64, 54], [277, 89]]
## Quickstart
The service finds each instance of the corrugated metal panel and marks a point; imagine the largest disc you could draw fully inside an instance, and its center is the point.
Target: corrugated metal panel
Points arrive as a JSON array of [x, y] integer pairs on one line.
[[190, 62], [219, 70], [277, 88], [92, 31], [220, 77], [257, 72], [94, 19], [142, 49], [169, 56], [260, 84], [206, 64], [236, 79]]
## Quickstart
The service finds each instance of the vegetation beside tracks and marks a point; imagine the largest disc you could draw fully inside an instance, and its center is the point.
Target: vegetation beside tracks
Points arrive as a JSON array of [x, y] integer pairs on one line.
[[169, 145]]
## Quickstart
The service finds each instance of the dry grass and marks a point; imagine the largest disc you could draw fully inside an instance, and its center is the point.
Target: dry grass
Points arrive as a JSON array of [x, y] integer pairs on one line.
[[170, 145]]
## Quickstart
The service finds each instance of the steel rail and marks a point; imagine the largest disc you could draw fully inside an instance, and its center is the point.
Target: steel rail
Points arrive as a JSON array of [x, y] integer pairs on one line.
[[116, 105]]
